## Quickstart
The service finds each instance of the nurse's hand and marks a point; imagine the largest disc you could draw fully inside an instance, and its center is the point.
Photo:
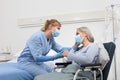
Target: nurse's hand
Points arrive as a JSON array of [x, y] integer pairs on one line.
[[65, 53]]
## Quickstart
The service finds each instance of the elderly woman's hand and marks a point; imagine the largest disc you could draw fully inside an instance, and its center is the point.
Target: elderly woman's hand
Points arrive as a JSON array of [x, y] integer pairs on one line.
[[65, 53], [76, 44]]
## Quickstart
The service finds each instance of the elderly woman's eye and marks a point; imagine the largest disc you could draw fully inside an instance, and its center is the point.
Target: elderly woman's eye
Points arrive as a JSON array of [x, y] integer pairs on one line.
[[58, 28]]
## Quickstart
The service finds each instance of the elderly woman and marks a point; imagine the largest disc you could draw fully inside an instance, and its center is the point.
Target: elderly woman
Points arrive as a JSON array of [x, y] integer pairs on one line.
[[88, 50], [84, 51]]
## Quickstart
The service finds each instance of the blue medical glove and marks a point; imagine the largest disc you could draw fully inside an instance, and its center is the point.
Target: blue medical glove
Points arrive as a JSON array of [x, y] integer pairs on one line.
[[68, 48], [58, 55]]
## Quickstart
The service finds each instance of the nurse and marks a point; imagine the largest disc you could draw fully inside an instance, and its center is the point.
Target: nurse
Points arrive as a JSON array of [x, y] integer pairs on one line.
[[33, 56]]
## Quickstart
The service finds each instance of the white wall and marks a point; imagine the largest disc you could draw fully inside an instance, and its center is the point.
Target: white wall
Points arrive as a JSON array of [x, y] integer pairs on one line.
[[10, 10], [69, 32]]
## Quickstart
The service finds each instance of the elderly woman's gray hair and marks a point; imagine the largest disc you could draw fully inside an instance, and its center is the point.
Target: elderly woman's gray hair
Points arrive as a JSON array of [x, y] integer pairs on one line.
[[86, 30]]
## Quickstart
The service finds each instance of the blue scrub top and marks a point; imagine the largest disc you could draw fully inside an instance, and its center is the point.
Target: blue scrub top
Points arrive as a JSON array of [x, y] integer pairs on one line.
[[37, 47]]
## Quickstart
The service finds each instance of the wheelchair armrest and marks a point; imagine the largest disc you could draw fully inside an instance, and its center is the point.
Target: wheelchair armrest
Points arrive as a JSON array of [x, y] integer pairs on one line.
[[91, 66], [63, 64]]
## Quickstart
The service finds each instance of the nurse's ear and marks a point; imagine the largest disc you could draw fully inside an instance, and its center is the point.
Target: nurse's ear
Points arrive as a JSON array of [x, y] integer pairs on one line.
[[50, 27]]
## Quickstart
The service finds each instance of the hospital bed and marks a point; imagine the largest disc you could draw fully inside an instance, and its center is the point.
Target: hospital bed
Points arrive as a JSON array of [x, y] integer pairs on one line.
[[103, 74], [10, 71]]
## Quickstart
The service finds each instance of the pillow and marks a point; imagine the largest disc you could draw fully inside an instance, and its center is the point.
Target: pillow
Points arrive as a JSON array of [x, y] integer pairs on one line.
[[103, 56]]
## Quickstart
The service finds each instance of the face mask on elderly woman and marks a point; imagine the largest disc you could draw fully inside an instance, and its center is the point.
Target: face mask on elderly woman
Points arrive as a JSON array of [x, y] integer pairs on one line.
[[78, 39]]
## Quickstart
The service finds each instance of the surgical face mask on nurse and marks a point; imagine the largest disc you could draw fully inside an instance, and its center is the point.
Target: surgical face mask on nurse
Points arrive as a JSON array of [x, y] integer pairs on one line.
[[78, 39], [56, 33]]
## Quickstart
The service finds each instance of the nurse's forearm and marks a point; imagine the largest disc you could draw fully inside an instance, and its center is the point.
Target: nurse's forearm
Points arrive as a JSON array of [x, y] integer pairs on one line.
[[44, 58], [48, 58]]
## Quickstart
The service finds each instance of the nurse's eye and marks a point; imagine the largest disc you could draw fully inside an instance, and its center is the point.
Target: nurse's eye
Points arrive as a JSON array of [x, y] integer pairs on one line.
[[77, 33]]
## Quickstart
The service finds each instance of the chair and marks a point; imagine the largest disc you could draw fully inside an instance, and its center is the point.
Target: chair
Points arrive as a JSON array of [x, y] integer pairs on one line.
[[110, 47]]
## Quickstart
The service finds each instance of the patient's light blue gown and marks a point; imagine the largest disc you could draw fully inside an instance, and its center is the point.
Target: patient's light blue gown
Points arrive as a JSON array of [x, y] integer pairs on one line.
[[33, 56]]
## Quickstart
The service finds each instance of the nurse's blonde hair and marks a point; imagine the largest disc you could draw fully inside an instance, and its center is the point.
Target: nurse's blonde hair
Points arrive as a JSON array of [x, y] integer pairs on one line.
[[53, 22], [86, 30]]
